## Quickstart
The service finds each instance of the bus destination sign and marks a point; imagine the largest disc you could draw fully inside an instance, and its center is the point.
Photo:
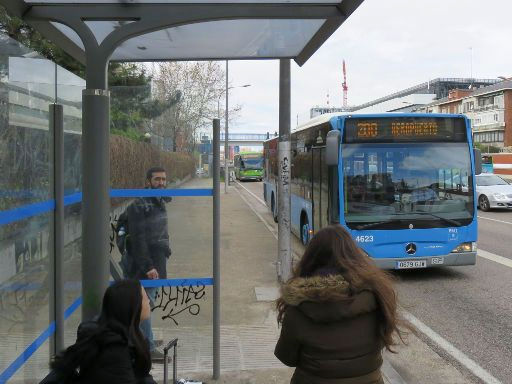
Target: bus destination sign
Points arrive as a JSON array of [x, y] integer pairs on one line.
[[398, 129]]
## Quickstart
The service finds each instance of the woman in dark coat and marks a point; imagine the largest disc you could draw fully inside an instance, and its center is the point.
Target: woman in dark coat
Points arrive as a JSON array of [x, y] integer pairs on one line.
[[111, 350], [337, 313]]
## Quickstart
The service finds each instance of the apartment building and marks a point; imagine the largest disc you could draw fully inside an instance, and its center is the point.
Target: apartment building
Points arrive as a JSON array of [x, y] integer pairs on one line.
[[489, 109]]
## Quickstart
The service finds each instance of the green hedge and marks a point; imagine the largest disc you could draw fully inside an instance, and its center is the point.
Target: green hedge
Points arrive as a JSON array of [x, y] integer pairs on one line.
[[129, 161]]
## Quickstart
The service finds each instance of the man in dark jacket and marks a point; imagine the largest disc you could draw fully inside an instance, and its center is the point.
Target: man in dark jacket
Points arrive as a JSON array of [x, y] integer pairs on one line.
[[149, 243]]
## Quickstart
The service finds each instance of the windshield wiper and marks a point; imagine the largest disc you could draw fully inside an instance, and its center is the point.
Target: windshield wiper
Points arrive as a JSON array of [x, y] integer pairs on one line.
[[451, 221], [377, 223]]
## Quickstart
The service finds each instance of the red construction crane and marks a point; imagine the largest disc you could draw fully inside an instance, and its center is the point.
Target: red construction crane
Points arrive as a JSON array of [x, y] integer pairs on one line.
[[345, 86]]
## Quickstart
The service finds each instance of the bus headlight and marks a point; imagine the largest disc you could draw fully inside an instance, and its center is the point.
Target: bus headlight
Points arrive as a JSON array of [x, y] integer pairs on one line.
[[465, 247]]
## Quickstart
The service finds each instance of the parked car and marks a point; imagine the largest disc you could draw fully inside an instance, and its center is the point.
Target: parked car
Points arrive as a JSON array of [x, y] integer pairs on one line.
[[493, 192]]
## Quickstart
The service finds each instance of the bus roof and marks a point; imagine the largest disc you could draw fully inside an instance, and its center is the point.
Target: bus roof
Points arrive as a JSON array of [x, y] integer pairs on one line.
[[327, 117]]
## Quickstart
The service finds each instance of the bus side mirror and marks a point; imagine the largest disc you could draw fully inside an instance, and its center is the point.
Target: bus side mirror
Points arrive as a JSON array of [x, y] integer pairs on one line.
[[477, 154], [332, 147]]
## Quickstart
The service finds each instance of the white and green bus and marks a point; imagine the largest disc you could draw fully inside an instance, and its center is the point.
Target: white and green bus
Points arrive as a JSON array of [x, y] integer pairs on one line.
[[249, 166]]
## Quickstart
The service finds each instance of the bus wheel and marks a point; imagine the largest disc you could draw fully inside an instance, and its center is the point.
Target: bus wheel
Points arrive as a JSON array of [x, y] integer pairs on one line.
[[273, 207], [304, 230], [483, 203]]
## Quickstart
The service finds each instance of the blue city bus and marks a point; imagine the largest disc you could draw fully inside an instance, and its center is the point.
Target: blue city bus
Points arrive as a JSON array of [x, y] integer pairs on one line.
[[487, 164], [401, 184]]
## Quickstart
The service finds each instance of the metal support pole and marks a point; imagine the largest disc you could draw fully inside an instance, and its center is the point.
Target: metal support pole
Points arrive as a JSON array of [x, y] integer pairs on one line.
[[283, 188], [57, 229], [96, 199], [226, 135], [216, 249]]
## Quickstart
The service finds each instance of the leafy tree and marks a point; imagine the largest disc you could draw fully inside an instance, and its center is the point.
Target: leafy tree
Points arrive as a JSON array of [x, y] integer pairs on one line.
[[132, 104], [485, 148], [16, 29], [201, 86]]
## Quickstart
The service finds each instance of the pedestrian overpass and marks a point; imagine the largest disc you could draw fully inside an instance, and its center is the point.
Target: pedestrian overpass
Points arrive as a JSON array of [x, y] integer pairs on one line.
[[245, 139]]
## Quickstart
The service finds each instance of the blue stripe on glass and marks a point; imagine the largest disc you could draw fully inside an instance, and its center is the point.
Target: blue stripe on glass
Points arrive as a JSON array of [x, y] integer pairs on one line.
[[160, 192], [15, 287], [73, 198], [26, 211], [73, 307], [27, 353], [76, 285], [176, 282], [32, 348]]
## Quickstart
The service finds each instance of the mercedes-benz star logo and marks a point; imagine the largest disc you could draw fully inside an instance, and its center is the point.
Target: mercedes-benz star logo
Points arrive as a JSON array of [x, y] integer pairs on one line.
[[410, 248]]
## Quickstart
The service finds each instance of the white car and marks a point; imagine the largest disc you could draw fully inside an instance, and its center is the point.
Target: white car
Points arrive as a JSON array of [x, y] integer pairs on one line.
[[493, 192]]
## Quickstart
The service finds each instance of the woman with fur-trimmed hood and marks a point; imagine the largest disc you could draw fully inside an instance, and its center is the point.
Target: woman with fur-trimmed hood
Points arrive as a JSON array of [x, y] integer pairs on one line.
[[337, 313]]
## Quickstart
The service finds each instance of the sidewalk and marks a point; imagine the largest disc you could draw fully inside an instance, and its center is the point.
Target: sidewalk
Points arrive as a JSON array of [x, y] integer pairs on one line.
[[248, 322]]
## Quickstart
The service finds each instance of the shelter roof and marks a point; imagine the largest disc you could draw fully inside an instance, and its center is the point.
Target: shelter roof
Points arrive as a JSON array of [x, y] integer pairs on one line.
[[146, 30]]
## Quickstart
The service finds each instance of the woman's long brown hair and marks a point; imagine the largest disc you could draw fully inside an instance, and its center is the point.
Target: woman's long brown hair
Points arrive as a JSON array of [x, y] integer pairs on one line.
[[333, 249]]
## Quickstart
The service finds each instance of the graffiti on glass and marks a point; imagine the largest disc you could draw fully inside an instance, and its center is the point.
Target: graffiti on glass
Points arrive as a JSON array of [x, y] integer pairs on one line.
[[175, 300]]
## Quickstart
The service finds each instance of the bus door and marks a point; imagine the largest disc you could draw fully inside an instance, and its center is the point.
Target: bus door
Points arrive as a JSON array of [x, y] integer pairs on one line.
[[320, 189]]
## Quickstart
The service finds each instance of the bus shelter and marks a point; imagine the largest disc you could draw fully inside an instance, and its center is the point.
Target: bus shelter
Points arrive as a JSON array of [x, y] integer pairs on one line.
[[98, 31]]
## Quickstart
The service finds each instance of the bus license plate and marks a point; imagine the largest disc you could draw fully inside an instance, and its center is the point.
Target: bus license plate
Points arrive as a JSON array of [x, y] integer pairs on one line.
[[409, 264]]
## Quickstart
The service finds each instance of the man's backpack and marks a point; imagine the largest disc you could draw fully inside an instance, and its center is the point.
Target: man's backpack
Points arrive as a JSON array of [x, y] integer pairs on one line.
[[122, 242]]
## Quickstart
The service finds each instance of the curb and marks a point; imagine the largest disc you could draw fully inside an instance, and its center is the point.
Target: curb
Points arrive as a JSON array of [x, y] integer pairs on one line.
[[391, 376]]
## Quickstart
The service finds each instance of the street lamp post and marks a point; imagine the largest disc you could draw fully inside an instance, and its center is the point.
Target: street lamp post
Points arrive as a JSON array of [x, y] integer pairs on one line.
[[226, 129], [226, 141]]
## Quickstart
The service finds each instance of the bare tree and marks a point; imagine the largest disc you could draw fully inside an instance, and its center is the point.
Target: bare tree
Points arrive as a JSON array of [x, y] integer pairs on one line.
[[201, 86]]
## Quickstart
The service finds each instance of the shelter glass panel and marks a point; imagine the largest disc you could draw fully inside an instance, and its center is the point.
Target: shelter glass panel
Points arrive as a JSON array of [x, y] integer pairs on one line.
[[69, 95], [161, 221], [27, 87]]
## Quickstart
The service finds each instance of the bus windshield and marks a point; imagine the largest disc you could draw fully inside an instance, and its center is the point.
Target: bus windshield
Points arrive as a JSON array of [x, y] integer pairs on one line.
[[252, 163], [407, 185]]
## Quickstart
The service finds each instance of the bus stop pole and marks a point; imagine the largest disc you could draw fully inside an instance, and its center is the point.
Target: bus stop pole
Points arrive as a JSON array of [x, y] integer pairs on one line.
[[95, 185], [216, 249], [57, 229], [283, 188], [226, 130]]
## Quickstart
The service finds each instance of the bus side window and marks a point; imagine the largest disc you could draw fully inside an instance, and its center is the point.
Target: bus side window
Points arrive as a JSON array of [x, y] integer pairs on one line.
[[334, 195]]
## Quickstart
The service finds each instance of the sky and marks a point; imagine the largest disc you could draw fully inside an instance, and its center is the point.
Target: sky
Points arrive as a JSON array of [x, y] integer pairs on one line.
[[388, 45]]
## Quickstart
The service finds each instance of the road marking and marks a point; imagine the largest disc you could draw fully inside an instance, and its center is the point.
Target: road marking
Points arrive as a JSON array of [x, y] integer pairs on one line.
[[254, 195], [496, 258], [458, 355], [499, 221]]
